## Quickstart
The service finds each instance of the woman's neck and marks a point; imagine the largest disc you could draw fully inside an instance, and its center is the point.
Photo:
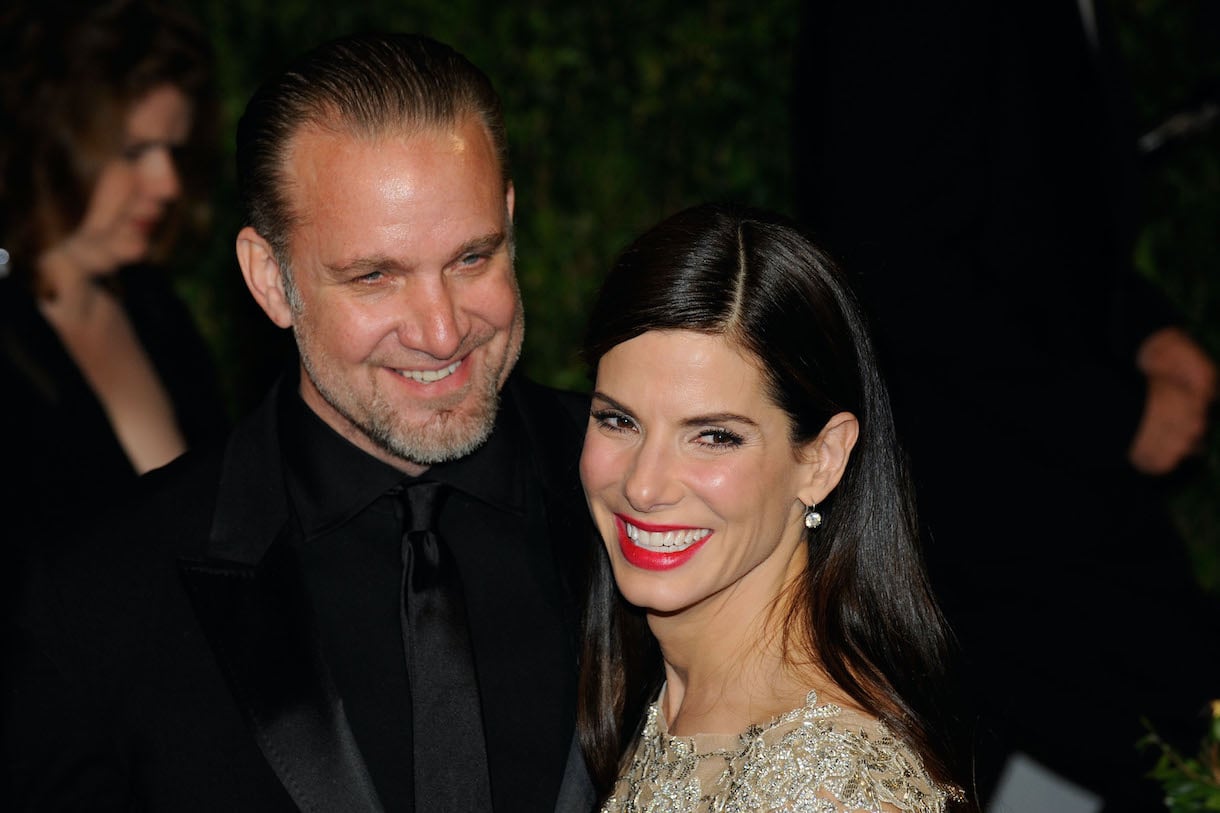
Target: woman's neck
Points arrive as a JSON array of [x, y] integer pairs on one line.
[[67, 291], [726, 669]]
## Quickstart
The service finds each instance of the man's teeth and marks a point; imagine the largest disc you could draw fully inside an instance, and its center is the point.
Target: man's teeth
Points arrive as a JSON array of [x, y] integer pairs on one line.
[[665, 540], [428, 376]]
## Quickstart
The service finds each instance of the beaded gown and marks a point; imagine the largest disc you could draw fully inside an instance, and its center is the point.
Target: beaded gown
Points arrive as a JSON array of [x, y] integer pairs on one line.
[[819, 758]]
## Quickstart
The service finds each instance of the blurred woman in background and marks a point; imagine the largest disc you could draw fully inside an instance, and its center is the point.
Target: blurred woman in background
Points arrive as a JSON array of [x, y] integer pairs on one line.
[[107, 107]]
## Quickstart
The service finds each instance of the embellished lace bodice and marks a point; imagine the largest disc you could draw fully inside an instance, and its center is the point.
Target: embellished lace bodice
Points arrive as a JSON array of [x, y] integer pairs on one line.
[[814, 759]]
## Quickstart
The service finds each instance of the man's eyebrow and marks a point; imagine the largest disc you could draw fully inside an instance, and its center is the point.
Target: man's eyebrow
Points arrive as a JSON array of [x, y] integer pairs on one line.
[[485, 244], [364, 265]]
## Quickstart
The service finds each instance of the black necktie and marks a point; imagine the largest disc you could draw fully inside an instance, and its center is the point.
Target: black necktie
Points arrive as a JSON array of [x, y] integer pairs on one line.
[[450, 751]]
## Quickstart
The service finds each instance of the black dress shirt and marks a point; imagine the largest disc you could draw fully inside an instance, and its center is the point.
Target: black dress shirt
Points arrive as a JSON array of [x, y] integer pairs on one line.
[[350, 524]]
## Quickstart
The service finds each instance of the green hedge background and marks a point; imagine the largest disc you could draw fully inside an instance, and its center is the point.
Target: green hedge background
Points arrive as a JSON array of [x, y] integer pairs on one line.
[[619, 114]]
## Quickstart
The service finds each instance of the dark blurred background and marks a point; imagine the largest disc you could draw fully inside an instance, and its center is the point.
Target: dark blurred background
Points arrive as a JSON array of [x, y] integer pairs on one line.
[[619, 114]]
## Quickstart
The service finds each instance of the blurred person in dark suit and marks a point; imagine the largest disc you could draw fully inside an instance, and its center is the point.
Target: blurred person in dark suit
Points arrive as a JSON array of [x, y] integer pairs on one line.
[[969, 161]]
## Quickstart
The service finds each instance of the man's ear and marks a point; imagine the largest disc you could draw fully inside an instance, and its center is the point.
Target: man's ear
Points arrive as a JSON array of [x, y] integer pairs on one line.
[[262, 275], [826, 456], [510, 199]]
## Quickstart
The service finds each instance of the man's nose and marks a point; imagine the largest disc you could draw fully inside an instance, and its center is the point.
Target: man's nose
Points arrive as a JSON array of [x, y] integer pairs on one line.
[[430, 321]]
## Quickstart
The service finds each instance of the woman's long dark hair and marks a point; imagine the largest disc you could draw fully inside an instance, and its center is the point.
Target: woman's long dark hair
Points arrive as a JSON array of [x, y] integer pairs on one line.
[[865, 614]]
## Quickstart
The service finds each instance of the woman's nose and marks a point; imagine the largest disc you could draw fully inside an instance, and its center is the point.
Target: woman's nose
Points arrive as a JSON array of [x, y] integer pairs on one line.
[[161, 178], [651, 482]]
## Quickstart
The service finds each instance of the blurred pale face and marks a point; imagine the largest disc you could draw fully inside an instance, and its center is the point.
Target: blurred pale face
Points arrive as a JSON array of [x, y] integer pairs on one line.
[[691, 477], [135, 187], [409, 318]]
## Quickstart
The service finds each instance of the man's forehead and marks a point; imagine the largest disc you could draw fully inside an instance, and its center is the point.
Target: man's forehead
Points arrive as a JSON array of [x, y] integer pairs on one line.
[[316, 147], [421, 196], [462, 134]]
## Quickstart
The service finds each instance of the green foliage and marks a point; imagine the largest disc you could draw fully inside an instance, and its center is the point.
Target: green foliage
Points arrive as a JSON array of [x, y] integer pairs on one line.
[[1191, 783]]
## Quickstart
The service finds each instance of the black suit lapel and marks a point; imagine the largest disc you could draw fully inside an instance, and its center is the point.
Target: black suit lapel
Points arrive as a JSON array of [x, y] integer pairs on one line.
[[249, 598], [257, 621]]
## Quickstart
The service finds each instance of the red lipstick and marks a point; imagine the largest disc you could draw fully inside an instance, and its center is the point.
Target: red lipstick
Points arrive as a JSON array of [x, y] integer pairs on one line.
[[648, 559]]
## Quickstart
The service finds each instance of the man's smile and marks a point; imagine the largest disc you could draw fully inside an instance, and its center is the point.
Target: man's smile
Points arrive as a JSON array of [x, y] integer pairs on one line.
[[429, 376]]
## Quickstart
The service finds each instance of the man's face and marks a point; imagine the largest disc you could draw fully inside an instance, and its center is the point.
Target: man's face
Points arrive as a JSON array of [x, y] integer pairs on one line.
[[409, 319]]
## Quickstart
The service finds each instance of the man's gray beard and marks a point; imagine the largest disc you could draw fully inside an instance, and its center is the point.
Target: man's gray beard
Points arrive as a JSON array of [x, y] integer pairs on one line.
[[447, 435], [453, 443]]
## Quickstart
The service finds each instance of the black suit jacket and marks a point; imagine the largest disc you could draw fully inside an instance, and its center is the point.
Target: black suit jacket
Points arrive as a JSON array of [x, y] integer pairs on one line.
[[966, 161], [168, 661], [972, 164]]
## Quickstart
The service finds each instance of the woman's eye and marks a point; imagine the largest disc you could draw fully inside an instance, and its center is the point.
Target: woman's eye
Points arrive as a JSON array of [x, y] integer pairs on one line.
[[614, 421], [135, 152], [719, 437]]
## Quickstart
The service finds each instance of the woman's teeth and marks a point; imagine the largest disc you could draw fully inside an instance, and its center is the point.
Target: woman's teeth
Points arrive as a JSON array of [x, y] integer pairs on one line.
[[665, 540]]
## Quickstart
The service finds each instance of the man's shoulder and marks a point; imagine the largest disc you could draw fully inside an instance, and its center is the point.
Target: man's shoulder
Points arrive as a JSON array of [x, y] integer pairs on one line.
[[167, 512], [181, 493], [554, 422], [104, 586], [539, 401]]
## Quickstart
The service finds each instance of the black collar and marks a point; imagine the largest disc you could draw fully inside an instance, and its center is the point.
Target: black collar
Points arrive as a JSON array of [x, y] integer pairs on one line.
[[330, 480], [495, 473]]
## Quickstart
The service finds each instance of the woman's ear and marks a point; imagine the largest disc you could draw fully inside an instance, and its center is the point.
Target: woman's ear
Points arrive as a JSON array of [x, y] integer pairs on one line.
[[826, 456], [262, 275]]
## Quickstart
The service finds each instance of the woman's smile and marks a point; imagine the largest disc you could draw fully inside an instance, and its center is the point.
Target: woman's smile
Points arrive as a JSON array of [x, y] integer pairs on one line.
[[658, 547]]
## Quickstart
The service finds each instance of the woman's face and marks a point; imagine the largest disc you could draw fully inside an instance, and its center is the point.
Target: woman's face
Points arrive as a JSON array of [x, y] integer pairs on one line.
[[691, 476], [135, 187]]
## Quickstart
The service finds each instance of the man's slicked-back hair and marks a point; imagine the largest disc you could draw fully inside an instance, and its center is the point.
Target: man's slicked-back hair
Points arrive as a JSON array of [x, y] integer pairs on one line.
[[366, 85]]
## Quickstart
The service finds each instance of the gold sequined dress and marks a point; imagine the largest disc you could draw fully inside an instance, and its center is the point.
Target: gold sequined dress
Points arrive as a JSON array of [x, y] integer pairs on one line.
[[819, 758]]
